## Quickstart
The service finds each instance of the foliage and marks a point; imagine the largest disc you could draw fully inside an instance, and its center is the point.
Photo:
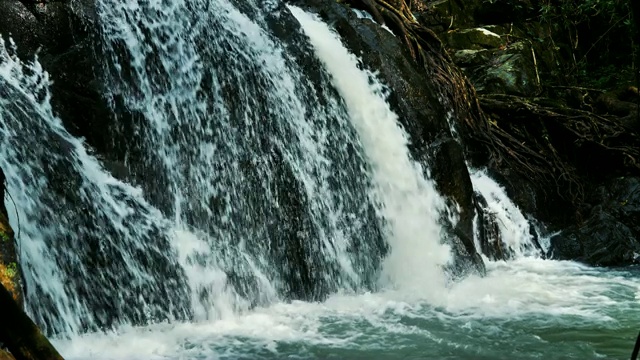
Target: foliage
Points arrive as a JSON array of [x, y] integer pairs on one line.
[[596, 38]]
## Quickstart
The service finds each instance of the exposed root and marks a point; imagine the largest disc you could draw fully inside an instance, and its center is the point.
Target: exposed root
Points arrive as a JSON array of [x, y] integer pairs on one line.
[[554, 146]]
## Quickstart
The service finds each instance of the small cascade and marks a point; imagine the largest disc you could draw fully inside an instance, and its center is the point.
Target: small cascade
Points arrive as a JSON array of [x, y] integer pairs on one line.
[[406, 200], [502, 232]]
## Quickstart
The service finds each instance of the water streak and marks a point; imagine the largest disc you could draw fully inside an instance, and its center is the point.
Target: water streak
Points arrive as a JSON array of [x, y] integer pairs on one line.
[[90, 245], [407, 200]]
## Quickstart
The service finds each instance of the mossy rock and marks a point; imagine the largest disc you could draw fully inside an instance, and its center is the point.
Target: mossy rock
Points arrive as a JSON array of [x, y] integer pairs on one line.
[[472, 39], [451, 13], [9, 271], [511, 70], [5, 355]]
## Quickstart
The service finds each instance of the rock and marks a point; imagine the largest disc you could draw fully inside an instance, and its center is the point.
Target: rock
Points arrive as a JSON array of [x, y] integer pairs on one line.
[[5, 355], [20, 334], [610, 236], [472, 39], [62, 35], [489, 235], [442, 15], [512, 70], [9, 271]]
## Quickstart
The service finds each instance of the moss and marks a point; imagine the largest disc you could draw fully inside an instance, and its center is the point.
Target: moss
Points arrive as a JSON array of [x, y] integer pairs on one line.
[[5, 355], [8, 277]]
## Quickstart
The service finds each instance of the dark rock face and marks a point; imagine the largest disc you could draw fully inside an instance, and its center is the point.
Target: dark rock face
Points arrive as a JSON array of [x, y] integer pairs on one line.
[[415, 98], [610, 236], [61, 33]]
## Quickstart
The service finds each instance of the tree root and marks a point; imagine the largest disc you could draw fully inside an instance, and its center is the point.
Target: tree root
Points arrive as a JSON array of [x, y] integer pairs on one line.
[[554, 146]]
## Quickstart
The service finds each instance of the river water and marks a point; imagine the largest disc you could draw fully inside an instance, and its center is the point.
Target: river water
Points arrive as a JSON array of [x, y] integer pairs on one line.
[[524, 309], [254, 186]]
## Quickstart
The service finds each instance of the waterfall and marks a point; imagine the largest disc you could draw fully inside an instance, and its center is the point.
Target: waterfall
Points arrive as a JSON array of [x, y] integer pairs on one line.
[[408, 202], [89, 244], [261, 170], [259, 167], [501, 230]]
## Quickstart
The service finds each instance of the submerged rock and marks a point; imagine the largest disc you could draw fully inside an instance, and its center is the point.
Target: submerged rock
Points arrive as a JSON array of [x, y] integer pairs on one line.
[[610, 236]]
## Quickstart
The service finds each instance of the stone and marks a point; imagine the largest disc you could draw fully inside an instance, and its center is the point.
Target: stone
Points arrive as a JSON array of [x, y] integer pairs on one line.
[[10, 277], [511, 70], [610, 236], [472, 39], [61, 34]]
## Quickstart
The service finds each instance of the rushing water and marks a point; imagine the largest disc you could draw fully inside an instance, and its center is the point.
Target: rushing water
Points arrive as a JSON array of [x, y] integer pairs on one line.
[[268, 187], [524, 309]]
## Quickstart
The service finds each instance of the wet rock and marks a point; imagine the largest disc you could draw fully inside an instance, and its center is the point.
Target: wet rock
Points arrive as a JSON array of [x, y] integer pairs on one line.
[[62, 36], [472, 39], [511, 70], [610, 236], [10, 277], [489, 235]]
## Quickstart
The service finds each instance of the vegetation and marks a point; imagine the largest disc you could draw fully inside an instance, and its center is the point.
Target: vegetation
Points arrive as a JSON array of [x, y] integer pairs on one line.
[[595, 38], [8, 278]]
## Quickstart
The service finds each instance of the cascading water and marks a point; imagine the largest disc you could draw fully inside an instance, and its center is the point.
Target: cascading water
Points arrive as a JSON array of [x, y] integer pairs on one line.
[[81, 232], [410, 202], [272, 188], [513, 235], [254, 161]]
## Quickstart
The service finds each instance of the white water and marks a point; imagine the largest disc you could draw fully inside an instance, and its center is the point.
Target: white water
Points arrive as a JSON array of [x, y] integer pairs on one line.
[[513, 225], [55, 232], [496, 317], [250, 162], [408, 201]]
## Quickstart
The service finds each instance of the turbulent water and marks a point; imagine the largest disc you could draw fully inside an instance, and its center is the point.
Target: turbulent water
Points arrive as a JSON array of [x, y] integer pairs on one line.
[[524, 309], [267, 170]]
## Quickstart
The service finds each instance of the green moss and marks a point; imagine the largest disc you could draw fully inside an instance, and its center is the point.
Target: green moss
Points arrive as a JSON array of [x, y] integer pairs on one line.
[[11, 270]]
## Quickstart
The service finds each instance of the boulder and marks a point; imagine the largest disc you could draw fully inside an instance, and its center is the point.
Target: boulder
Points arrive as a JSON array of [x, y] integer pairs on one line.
[[510, 70], [442, 15], [610, 236], [61, 34], [472, 39]]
